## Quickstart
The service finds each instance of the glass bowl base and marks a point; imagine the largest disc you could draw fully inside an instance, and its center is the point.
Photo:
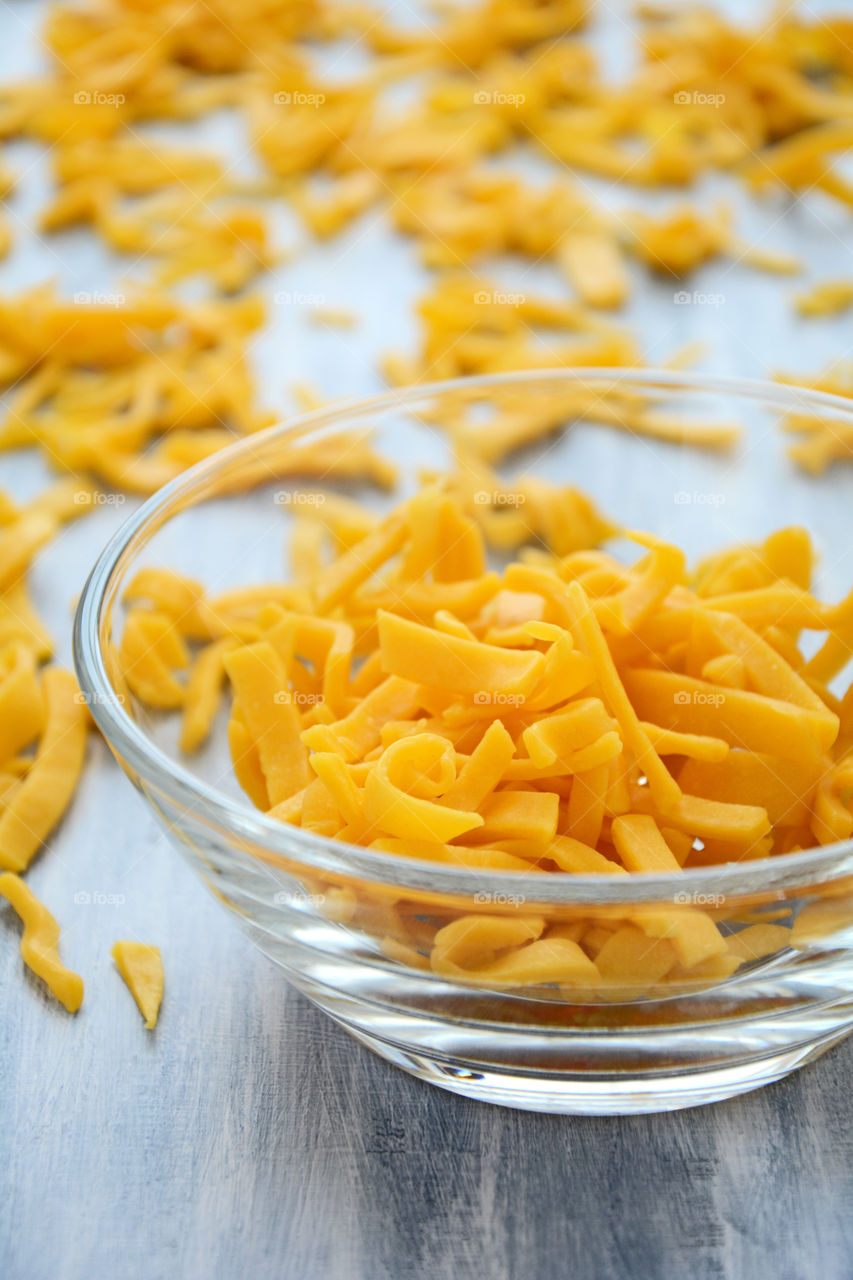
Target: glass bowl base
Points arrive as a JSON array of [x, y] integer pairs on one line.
[[516, 1052], [590, 1095]]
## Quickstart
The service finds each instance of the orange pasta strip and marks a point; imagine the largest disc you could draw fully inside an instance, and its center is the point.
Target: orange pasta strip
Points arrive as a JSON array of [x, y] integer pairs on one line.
[[557, 736], [358, 564], [573, 855], [749, 778], [549, 960], [21, 700], [460, 666], [566, 672], [772, 676], [272, 720], [40, 800], [726, 669], [142, 969], [693, 934], [482, 771], [455, 855], [586, 804], [630, 956], [472, 940], [39, 942], [332, 771], [758, 940], [832, 819], [360, 731], [20, 542], [246, 760], [19, 622], [203, 695], [716, 819], [595, 267], [150, 648], [650, 583], [520, 815], [693, 745], [640, 844], [389, 808], [744, 719], [180, 598], [319, 813], [662, 784]]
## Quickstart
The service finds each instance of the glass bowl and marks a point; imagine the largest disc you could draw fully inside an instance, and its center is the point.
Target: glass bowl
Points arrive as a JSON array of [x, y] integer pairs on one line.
[[351, 927]]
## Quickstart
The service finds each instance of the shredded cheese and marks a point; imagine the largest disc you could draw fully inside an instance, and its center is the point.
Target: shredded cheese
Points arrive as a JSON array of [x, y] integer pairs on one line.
[[546, 718]]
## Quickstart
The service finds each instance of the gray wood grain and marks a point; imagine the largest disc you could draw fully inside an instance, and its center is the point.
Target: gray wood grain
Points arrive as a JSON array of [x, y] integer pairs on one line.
[[251, 1137]]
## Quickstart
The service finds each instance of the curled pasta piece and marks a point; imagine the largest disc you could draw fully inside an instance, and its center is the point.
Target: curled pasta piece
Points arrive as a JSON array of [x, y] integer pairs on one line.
[[36, 805], [22, 709], [389, 807], [39, 942]]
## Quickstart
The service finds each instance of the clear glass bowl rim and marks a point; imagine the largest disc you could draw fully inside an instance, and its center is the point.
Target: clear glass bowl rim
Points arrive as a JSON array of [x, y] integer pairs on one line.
[[249, 826]]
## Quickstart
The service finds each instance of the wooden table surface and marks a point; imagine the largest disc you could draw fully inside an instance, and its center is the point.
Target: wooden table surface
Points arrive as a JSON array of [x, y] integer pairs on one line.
[[249, 1136]]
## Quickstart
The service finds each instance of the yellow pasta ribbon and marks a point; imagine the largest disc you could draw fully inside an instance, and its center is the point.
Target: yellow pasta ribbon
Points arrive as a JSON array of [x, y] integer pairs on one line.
[[460, 666], [640, 844], [39, 942], [142, 969], [663, 786], [36, 805], [203, 695], [151, 648], [270, 716], [389, 807], [22, 709]]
